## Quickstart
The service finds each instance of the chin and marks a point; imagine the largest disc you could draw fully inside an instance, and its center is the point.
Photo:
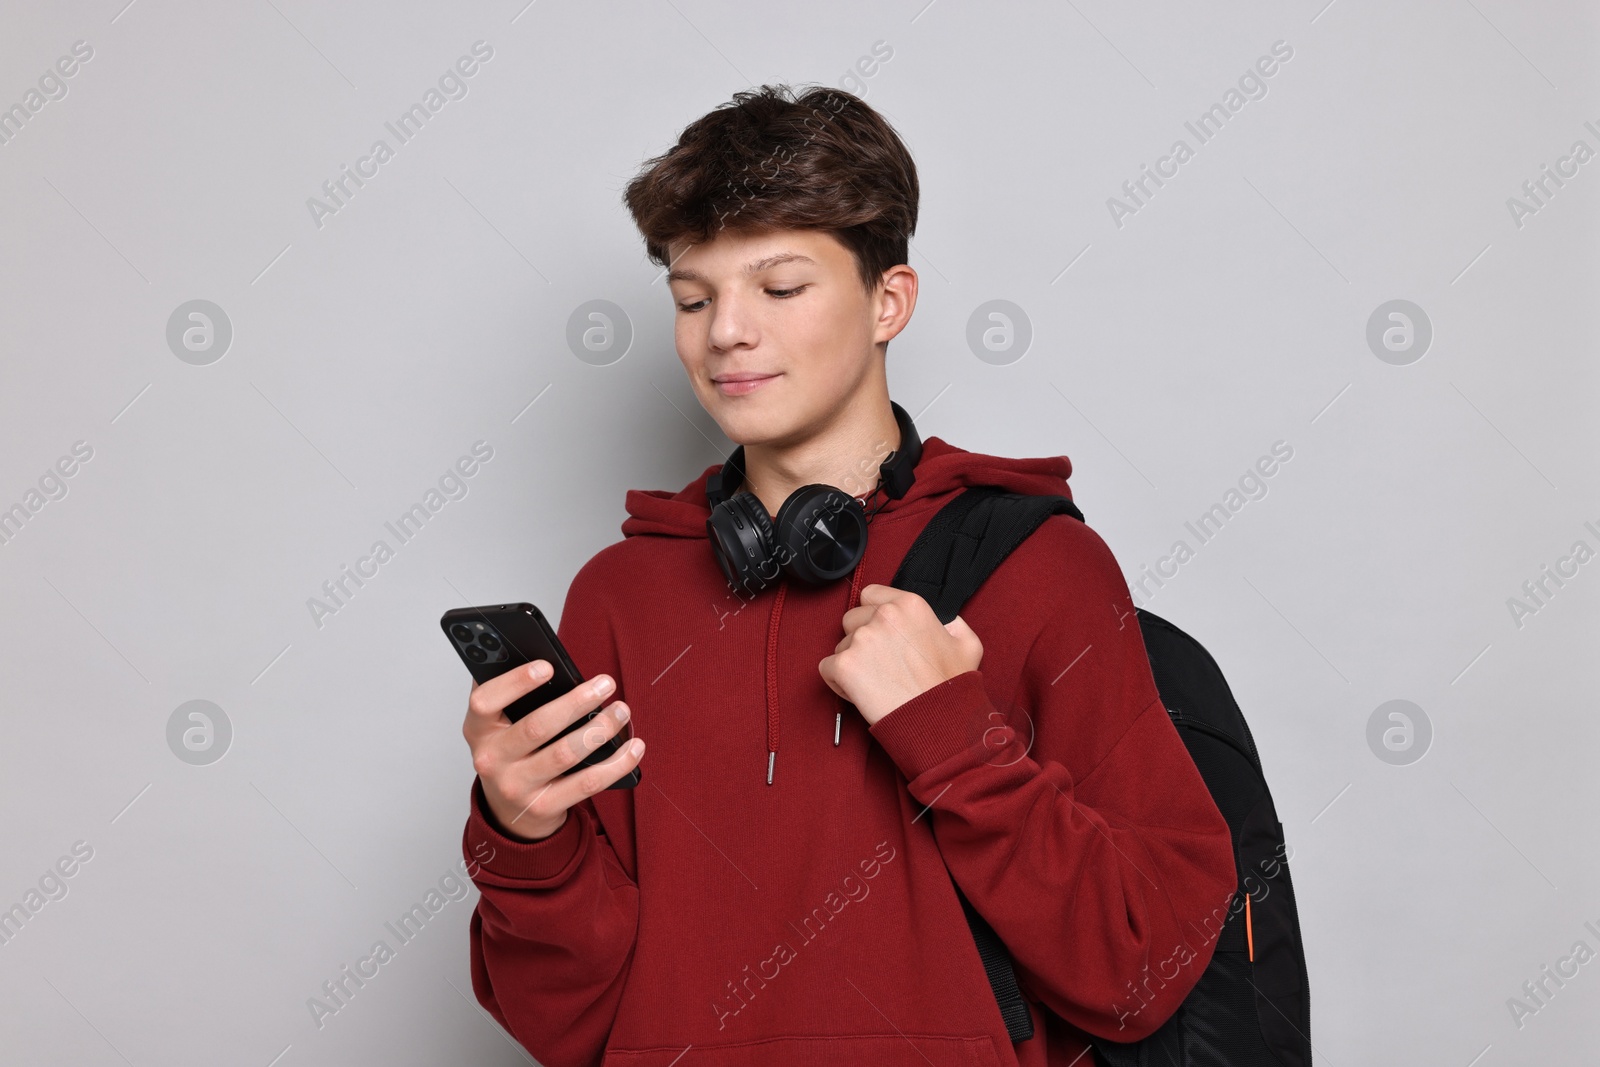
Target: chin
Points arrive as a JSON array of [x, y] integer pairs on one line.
[[746, 423], [745, 427]]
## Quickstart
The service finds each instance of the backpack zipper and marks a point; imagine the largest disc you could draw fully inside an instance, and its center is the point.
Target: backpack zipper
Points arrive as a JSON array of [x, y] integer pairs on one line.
[[1180, 719]]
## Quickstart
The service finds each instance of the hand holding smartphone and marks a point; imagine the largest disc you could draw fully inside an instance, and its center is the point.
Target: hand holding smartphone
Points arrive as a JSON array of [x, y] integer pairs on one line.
[[539, 741]]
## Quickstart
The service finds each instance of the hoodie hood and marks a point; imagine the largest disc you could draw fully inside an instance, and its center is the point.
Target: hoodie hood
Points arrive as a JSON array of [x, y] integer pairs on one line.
[[942, 470]]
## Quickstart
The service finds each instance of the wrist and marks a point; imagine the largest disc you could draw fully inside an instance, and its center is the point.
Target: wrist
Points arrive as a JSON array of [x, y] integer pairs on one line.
[[516, 826], [517, 860]]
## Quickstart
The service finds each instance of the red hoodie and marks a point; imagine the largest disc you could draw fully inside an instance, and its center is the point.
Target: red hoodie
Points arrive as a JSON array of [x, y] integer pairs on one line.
[[812, 920]]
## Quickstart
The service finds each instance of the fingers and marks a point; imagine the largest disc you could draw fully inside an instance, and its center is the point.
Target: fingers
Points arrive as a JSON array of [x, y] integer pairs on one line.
[[535, 788], [536, 729], [591, 780], [881, 594], [563, 754], [887, 602], [490, 699], [828, 667], [499, 746], [856, 617]]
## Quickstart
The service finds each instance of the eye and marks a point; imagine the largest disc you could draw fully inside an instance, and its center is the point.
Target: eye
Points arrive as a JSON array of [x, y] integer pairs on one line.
[[784, 294], [696, 306]]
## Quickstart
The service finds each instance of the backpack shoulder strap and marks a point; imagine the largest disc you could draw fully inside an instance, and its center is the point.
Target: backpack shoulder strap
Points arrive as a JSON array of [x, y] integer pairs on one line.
[[968, 540], [964, 543]]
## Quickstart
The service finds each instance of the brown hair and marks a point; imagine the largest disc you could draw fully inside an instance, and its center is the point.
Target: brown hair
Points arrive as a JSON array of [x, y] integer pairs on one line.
[[770, 160]]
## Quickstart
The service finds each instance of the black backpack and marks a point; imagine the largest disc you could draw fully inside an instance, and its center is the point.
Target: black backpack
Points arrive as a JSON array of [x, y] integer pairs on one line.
[[1252, 1005]]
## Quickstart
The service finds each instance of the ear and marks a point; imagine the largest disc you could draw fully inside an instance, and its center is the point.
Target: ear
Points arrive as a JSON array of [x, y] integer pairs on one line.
[[894, 301]]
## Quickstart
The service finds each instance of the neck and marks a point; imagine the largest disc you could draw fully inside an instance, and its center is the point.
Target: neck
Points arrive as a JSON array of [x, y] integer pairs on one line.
[[844, 452]]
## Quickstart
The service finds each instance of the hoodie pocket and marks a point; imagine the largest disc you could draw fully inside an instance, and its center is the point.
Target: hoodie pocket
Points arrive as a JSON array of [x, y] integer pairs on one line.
[[880, 1050]]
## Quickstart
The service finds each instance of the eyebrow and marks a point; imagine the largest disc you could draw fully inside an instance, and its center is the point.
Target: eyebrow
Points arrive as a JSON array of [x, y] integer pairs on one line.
[[681, 274]]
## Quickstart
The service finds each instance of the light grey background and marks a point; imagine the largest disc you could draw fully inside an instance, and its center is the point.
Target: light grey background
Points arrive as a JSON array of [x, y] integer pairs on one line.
[[1230, 312]]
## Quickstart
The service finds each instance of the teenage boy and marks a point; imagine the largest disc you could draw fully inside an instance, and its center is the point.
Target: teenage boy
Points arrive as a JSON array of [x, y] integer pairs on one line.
[[737, 907]]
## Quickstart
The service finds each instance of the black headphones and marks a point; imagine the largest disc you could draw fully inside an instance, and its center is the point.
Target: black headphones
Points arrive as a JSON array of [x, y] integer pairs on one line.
[[818, 535]]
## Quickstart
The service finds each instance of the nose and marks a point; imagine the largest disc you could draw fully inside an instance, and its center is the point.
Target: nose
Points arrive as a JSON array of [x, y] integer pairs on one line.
[[732, 323]]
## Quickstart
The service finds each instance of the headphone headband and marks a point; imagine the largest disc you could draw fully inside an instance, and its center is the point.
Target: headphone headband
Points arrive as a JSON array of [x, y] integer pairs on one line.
[[896, 472]]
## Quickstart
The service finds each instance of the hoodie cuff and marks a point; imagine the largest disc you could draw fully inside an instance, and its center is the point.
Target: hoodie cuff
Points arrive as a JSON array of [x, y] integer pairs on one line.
[[935, 725], [541, 860]]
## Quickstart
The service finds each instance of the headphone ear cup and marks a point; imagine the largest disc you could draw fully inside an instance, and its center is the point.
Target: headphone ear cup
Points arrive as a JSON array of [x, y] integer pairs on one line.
[[821, 533], [743, 539]]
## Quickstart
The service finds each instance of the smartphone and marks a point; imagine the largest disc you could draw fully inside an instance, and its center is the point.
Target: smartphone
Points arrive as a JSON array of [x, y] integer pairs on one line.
[[500, 637]]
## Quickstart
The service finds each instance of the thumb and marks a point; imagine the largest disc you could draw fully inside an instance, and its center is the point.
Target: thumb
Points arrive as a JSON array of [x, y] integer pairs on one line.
[[966, 640], [957, 627]]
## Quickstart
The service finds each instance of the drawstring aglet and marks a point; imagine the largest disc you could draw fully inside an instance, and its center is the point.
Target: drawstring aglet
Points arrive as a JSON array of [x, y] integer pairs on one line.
[[771, 758], [838, 718]]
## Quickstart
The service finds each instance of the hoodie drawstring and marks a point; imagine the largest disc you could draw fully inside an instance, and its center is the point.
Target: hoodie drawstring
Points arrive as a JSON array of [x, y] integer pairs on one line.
[[772, 678], [855, 599], [772, 669]]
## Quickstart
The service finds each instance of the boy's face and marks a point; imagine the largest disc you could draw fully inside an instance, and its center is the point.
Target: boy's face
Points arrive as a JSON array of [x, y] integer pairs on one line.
[[787, 305]]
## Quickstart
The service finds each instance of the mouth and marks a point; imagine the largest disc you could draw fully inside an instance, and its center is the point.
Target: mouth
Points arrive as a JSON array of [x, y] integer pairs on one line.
[[743, 383]]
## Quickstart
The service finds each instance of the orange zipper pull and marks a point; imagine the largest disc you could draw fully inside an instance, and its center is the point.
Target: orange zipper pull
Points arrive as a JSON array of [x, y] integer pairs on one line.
[[1250, 937]]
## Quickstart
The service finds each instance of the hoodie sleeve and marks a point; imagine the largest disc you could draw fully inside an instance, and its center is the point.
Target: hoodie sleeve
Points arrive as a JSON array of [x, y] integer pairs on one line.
[[1073, 820], [552, 936]]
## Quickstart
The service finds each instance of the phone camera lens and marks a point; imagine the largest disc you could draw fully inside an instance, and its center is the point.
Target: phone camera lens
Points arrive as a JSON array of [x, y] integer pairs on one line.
[[461, 633], [489, 641], [476, 654]]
